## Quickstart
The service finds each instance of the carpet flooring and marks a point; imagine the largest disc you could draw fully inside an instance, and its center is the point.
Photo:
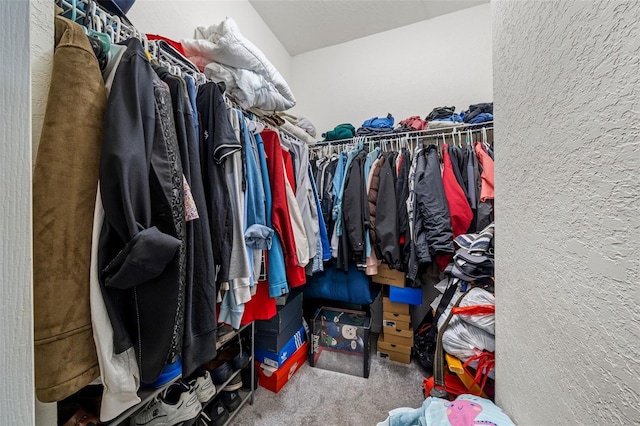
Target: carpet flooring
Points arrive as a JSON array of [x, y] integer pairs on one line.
[[317, 397]]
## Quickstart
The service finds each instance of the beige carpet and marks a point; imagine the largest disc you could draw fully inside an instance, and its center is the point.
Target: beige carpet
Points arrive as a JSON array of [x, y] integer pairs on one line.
[[317, 397]]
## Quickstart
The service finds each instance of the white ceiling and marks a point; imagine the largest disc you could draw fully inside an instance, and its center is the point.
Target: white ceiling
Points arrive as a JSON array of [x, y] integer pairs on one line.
[[305, 25]]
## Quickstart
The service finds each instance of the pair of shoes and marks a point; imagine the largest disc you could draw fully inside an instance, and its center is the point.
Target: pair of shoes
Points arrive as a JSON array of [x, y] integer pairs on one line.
[[76, 415], [217, 413], [177, 403], [203, 385]]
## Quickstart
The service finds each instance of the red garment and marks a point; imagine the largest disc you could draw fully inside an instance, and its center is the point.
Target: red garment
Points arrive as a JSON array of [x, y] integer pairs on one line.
[[459, 209], [280, 218], [415, 122], [261, 306], [486, 190], [173, 43]]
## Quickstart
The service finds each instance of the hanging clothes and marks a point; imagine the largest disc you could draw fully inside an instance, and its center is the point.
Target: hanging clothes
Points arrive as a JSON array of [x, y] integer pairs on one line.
[[280, 209], [145, 304], [386, 226], [64, 183], [459, 209], [200, 291], [217, 142]]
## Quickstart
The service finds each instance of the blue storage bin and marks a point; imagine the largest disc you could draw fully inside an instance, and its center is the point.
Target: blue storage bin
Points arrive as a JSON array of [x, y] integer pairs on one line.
[[408, 295]]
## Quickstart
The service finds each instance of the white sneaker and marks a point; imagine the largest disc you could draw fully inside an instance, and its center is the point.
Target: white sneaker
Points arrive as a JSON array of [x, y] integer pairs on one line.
[[176, 404], [203, 385]]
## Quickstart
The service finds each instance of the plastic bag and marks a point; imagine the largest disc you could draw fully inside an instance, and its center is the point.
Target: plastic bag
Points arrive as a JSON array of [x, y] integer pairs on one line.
[[462, 339], [479, 297]]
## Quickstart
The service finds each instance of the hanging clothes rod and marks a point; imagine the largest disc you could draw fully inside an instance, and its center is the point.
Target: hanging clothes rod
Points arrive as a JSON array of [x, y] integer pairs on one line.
[[434, 132]]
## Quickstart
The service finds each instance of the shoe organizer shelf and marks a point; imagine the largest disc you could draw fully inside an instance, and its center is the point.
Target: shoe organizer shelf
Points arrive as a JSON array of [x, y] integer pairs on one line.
[[147, 395]]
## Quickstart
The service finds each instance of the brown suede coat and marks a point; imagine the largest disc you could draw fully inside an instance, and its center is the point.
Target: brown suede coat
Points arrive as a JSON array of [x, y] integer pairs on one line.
[[64, 191]]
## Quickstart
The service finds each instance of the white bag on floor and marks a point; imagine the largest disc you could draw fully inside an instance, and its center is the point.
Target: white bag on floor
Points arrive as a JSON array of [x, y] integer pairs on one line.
[[475, 297], [461, 338]]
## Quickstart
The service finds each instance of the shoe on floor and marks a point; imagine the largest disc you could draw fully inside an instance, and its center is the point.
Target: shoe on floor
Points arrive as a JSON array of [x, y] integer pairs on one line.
[[231, 400], [214, 415], [202, 383], [176, 404], [234, 384]]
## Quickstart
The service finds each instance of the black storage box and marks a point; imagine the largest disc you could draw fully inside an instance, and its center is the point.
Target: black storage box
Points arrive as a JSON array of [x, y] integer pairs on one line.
[[274, 342], [291, 311]]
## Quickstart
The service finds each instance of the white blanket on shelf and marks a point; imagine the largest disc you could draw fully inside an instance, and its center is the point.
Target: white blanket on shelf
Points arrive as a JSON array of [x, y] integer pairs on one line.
[[240, 64]]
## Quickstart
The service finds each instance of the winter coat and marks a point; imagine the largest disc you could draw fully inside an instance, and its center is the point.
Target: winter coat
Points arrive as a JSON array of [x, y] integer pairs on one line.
[[459, 209], [372, 199], [386, 226], [402, 193], [65, 180], [355, 213], [432, 223]]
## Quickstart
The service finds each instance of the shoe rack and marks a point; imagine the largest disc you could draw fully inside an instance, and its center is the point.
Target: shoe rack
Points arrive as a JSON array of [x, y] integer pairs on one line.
[[245, 396], [223, 340]]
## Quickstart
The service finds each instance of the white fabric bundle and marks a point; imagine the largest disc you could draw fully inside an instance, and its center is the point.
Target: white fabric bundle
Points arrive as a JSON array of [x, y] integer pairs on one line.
[[478, 296]]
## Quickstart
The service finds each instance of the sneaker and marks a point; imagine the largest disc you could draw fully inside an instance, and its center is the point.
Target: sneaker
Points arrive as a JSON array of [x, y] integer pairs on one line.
[[176, 404], [234, 384], [231, 400], [221, 372], [215, 415], [203, 385]]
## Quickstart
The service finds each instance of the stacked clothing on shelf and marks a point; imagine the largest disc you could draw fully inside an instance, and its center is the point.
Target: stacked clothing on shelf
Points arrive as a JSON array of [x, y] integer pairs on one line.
[[478, 113], [341, 131], [443, 117], [411, 124], [376, 126]]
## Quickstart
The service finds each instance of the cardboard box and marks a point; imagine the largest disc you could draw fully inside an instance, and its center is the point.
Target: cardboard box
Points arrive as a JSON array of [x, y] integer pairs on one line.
[[389, 276], [392, 351], [410, 295], [340, 341], [396, 308], [275, 379], [291, 311], [277, 359], [398, 337], [274, 342], [399, 321]]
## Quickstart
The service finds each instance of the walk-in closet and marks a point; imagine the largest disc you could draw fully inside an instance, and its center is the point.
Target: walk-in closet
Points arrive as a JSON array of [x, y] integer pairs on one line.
[[267, 212]]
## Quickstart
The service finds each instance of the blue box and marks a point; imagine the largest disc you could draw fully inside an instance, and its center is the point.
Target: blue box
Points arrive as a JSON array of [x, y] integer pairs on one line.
[[408, 295], [276, 360]]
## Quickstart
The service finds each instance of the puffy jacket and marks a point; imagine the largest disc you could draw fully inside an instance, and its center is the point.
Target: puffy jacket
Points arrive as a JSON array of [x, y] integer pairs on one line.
[[432, 229]]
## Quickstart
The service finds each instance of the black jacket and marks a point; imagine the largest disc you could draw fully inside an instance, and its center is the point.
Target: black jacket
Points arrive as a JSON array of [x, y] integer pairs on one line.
[[387, 237], [402, 193], [217, 142], [433, 234], [141, 247], [355, 214], [199, 343]]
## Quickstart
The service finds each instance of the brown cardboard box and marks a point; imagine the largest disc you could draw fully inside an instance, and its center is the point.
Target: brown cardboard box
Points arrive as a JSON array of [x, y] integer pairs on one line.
[[399, 321], [396, 308], [393, 352], [389, 276], [398, 337]]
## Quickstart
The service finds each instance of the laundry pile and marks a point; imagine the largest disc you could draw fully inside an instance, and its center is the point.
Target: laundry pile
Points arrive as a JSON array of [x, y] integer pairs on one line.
[[376, 126]]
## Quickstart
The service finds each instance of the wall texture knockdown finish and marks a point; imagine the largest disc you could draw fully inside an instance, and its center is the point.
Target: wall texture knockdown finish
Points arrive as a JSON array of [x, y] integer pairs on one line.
[[567, 96]]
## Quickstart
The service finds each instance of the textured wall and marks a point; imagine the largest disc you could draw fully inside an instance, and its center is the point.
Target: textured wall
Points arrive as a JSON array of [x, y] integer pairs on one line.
[[406, 71], [567, 95], [16, 329]]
